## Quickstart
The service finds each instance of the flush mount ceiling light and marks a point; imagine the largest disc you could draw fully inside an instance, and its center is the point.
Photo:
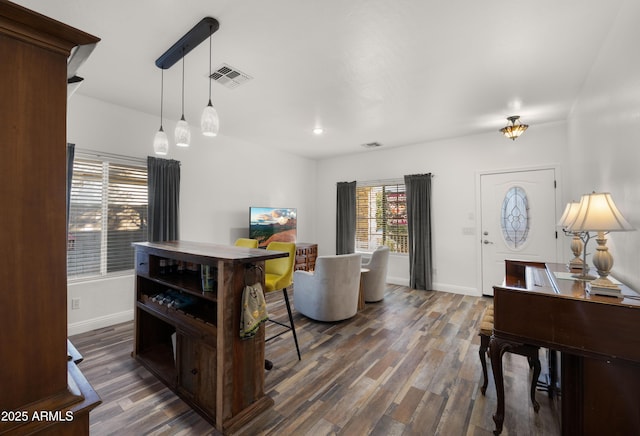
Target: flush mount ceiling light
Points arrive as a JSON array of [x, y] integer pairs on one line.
[[515, 129], [201, 31]]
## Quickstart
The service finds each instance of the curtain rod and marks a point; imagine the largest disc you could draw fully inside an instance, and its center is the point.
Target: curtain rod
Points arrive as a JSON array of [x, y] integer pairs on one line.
[[114, 156], [394, 181]]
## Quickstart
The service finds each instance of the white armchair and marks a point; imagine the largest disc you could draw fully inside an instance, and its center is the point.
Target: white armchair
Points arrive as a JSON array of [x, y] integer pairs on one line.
[[330, 293], [374, 282]]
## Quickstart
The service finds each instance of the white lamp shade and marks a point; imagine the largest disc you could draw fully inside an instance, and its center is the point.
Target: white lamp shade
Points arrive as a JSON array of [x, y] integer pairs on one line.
[[161, 143], [209, 122], [569, 215], [182, 134], [598, 213]]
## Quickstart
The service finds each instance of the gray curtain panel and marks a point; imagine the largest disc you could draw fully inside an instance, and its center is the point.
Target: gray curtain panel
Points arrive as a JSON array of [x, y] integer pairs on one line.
[[164, 198], [71, 151], [346, 218], [418, 189]]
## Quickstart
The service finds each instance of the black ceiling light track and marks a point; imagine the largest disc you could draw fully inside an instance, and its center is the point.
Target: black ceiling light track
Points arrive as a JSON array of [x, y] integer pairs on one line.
[[201, 31]]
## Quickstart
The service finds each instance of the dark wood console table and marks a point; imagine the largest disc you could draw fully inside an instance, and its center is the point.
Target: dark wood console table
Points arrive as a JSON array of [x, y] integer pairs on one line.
[[195, 348], [597, 336]]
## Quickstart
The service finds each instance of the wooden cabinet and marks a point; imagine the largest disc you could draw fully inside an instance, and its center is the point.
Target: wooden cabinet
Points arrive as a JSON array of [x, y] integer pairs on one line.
[[306, 255], [194, 345], [36, 375]]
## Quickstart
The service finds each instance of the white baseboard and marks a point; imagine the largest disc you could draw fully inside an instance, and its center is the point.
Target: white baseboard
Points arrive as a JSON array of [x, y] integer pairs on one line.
[[464, 290], [402, 281], [100, 322]]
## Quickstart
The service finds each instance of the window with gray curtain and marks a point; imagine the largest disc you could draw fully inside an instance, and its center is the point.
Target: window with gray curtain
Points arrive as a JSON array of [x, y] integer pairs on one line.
[[346, 217], [164, 198], [381, 216], [107, 213], [418, 189]]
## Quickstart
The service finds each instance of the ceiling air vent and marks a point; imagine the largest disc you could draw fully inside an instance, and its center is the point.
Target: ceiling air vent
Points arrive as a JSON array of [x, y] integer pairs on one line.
[[372, 145], [230, 77]]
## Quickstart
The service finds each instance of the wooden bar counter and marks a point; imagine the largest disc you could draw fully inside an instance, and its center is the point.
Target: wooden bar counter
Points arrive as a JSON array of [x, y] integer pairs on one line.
[[187, 331]]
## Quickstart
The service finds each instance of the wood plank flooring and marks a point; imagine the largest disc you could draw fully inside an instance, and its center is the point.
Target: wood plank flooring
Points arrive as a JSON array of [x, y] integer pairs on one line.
[[408, 365]]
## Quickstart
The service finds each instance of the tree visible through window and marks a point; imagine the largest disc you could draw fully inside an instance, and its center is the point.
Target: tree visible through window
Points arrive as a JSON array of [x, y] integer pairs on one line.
[[107, 213], [381, 216]]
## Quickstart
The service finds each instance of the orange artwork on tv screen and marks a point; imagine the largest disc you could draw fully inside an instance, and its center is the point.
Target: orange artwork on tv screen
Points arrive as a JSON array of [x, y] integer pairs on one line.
[[272, 224]]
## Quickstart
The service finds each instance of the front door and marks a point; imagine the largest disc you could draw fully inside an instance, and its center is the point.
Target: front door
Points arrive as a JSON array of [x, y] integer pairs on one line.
[[518, 221]]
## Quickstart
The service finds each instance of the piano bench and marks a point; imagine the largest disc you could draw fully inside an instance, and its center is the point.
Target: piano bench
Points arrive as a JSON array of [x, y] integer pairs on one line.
[[529, 351]]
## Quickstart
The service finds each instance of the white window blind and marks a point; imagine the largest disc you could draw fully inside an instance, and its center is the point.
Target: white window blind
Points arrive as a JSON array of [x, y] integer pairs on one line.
[[381, 216], [107, 213]]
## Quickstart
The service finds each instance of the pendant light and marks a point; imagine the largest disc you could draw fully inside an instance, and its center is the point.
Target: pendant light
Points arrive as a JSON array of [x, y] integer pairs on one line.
[[161, 141], [209, 122], [182, 132]]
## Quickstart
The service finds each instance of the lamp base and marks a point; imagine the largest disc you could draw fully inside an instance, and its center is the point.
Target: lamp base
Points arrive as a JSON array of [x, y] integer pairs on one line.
[[577, 264], [606, 291], [603, 282]]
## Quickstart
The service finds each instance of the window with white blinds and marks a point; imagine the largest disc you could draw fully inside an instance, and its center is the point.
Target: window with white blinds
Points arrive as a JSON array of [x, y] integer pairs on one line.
[[107, 213], [381, 216]]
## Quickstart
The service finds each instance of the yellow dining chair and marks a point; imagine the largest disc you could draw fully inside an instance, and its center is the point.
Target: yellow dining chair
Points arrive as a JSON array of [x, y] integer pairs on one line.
[[279, 275], [246, 242]]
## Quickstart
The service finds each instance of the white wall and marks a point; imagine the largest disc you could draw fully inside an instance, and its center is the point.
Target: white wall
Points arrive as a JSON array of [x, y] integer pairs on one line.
[[455, 164], [220, 179], [223, 177], [604, 137]]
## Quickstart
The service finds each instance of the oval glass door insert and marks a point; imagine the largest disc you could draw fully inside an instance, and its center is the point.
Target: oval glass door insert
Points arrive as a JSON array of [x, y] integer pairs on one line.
[[514, 218]]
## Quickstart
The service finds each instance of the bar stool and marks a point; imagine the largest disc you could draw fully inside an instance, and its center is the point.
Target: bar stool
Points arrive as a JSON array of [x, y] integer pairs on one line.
[[279, 275]]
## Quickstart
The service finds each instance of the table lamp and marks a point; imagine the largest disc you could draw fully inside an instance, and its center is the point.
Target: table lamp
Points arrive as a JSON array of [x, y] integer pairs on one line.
[[598, 213], [568, 216]]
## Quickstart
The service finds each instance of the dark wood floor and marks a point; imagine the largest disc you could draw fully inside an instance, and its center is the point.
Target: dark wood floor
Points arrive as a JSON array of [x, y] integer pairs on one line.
[[405, 366]]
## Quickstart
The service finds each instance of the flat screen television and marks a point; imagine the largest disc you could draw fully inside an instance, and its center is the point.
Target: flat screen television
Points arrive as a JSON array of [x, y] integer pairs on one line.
[[269, 224]]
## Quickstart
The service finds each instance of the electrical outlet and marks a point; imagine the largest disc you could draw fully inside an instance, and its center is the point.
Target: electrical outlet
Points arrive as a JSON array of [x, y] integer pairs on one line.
[[75, 303]]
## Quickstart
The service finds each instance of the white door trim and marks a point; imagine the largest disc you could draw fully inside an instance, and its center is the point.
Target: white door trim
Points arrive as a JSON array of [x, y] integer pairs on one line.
[[555, 167]]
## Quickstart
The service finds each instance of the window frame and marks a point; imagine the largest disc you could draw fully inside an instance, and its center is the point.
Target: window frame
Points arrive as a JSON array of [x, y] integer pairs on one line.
[[396, 240], [119, 168]]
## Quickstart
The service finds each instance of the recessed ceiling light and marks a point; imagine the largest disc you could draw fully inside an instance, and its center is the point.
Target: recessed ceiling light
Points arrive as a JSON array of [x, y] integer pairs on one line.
[[318, 131]]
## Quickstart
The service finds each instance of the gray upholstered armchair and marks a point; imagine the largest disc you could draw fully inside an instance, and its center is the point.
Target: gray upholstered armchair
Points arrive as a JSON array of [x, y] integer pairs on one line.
[[374, 282], [330, 293]]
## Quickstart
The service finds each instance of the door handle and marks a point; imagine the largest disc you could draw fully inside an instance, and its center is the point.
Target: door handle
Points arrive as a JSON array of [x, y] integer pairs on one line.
[[487, 242]]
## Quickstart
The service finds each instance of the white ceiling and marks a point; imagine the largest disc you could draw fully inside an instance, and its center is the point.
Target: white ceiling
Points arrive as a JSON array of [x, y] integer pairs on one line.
[[397, 72]]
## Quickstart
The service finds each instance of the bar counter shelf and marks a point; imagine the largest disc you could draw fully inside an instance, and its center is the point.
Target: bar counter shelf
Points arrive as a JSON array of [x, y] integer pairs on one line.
[[186, 327]]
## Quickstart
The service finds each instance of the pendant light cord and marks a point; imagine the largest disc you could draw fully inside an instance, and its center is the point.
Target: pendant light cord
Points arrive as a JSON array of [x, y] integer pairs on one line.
[[210, 32], [183, 83], [161, 94]]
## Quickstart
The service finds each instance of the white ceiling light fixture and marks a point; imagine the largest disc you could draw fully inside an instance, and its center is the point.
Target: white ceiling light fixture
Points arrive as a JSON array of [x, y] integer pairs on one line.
[[515, 129], [201, 31], [182, 132], [318, 131], [161, 141], [209, 122]]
